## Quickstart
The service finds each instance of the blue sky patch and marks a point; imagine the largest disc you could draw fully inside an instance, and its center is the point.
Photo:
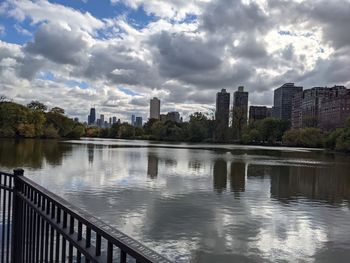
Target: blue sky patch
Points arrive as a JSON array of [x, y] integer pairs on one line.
[[80, 84], [128, 91], [46, 75]]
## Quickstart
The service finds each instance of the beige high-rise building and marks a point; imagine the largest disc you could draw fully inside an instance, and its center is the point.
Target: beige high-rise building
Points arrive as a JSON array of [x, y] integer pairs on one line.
[[154, 108]]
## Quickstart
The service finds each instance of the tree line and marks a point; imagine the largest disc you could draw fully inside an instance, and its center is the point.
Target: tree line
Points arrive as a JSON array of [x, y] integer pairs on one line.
[[202, 128], [35, 121]]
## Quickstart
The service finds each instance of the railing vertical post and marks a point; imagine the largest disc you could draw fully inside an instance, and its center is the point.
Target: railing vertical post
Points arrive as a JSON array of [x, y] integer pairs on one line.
[[16, 248]]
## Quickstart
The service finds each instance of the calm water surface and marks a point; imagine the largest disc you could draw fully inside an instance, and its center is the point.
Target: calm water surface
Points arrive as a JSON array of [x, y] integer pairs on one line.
[[202, 203]]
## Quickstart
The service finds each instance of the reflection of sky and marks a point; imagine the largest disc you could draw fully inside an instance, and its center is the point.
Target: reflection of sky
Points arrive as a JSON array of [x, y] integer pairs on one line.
[[211, 206]]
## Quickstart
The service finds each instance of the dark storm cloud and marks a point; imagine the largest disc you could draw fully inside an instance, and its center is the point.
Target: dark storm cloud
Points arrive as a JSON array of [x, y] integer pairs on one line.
[[233, 15], [335, 19], [250, 48], [333, 71], [202, 63], [331, 16], [115, 64], [139, 102], [179, 55], [29, 66], [58, 44]]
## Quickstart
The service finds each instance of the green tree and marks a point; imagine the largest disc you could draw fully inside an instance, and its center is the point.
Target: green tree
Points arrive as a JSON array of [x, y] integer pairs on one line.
[[37, 118], [77, 132], [271, 130], [57, 110], [50, 132], [308, 137], [26, 130], [343, 141], [239, 121], [251, 136], [126, 131], [198, 127], [36, 105]]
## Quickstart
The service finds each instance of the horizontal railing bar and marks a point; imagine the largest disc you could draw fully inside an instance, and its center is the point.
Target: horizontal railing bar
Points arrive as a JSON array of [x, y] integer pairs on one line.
[[71, 238], [6, 188], [6, 174], [124, 242]]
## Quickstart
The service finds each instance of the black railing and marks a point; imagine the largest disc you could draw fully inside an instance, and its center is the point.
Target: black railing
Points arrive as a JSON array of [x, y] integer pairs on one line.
[[39, 226]]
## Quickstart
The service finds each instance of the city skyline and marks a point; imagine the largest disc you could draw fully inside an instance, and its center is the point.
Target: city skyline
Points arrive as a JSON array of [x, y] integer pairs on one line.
[[60, 52]]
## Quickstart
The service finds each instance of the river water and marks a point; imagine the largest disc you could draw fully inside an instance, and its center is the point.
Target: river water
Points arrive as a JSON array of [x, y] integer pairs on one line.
[[201, 202]]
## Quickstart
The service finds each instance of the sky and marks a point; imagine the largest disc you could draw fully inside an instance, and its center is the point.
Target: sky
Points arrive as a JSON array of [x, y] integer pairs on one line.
[[117, 54]]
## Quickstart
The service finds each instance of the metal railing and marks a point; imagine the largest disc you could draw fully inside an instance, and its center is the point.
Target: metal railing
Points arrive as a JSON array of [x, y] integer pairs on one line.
[[39, 226]]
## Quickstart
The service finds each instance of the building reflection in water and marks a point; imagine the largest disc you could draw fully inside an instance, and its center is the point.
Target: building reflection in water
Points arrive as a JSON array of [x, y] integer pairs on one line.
[[195, 165], [330, 184], [152, 167], [237, 177], [90, 149], [220, 175]]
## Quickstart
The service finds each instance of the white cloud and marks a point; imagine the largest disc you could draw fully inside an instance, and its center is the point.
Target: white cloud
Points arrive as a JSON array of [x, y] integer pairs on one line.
[[44, 11], [176, 9], [22, 30], [258, 44]]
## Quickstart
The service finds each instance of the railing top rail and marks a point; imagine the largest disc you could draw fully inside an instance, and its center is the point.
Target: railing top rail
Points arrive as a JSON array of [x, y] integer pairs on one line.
[[7, 174], [121, 240]]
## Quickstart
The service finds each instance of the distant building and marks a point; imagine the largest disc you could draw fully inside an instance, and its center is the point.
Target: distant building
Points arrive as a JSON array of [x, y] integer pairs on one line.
[[114, 120], [163, 117], [110, 120], [154, 108], [92, 116], [98, 122], [222, 113], [133, 120], [269, 112], [258, 113], [240, 106], [296, 119], [138, 122], [282, 104], [102, 118], [173, 116], [335, 109], [306, 105]]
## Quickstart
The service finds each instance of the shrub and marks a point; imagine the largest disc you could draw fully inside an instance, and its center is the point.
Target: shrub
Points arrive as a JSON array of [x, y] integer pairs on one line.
[[50, 132], [26, 130]]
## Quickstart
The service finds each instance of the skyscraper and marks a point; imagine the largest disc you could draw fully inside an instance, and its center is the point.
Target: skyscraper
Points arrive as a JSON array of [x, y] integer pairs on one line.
[[308, 109], [240, 107], [133, 120], [222, 113], [282, 102], [258, 113], [92, 116], [114, 120], [154, 108], [173, 116], [138, 122]]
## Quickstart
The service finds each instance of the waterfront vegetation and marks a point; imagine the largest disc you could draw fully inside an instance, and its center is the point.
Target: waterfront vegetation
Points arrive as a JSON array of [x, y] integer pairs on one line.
[[201, 128], [36, 121]]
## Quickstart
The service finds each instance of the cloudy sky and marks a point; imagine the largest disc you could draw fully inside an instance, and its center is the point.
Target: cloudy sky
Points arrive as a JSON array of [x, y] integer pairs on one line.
[[117, 54]]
